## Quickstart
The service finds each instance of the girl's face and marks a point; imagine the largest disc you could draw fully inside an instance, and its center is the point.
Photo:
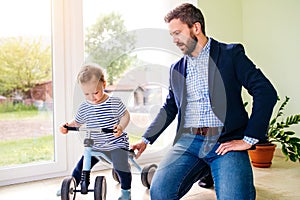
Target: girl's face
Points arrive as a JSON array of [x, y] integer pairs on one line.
[[94, 91]]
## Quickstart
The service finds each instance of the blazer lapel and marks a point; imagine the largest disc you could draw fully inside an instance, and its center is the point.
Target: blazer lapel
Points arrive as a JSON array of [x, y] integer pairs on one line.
[[216, 85], [212, 65], [178, 81]]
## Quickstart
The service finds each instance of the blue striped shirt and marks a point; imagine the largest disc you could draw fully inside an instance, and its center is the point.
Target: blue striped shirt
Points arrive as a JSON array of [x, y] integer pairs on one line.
[[198, 110], [103, 115]]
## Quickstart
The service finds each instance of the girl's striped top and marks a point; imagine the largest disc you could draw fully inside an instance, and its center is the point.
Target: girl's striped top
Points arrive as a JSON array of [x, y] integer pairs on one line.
[[103, 115]]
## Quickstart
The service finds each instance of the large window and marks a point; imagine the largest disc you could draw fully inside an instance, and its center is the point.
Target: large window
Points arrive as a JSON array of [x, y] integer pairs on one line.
[[28, 146], [44, 43], [26, 108]]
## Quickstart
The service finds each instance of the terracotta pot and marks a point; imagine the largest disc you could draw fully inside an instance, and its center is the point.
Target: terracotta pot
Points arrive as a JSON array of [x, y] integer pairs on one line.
[[262, 156]]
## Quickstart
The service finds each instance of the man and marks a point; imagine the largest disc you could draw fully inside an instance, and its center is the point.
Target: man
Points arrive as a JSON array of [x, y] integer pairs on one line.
[[214, 131]]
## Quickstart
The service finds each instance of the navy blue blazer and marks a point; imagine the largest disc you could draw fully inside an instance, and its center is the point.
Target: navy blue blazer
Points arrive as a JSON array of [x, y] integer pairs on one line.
[[229, 70]]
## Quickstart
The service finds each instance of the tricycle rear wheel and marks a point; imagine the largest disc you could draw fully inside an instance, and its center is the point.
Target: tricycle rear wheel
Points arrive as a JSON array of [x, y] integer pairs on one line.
[[147, 175]]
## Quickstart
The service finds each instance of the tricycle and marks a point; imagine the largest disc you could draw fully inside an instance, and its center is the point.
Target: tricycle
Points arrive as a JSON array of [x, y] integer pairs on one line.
[[68, 187]]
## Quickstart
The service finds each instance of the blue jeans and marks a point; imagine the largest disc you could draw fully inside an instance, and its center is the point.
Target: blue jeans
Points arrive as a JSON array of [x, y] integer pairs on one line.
[[190, 158]]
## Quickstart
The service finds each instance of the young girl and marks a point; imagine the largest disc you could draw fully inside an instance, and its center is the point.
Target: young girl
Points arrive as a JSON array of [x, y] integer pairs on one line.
[[102, 111]]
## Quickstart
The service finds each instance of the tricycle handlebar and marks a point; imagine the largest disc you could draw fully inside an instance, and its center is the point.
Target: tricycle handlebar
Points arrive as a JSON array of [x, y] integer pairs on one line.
[[106, 130]]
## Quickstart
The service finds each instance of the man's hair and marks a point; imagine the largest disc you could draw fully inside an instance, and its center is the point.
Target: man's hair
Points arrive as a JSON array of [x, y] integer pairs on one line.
[[187, 13], [88, 71]]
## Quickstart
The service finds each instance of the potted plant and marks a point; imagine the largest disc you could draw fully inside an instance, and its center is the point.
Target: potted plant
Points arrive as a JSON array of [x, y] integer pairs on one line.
[[278, 132]]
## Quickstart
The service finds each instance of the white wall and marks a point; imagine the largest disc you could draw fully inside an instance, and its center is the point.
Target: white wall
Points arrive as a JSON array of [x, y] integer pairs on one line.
[[269, 30], [223, 19]]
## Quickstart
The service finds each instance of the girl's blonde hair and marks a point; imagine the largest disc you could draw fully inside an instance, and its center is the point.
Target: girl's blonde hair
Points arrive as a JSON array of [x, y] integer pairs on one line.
[[88, 71]]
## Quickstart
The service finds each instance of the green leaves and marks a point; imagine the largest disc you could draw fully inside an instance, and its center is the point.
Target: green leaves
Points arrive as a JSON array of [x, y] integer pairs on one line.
[[23, 63], [293, 119], [109, 44], [290, 146]]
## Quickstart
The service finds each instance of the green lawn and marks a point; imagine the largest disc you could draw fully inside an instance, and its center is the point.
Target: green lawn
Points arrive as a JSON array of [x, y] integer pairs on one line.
[[26, 150], [30, 150], [22, 151], [22, 115]]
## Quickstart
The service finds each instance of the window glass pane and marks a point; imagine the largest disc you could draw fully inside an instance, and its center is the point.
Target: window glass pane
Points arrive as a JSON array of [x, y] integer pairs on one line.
[[130, 40], [26, 100]]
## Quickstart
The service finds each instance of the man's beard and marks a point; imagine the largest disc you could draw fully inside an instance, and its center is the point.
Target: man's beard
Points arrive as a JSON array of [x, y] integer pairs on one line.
[[191, 44], [188, 47]]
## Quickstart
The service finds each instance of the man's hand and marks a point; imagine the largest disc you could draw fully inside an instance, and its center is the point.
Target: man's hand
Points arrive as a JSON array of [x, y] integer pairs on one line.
[[140, 146], [234, 145]]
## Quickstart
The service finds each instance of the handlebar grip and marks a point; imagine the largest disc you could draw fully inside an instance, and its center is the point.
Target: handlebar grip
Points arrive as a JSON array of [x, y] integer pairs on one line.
[[108, 130], [70, 128]]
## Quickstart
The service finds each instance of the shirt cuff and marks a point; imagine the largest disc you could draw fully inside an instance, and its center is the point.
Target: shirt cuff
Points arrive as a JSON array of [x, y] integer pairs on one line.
[[250, 140], [145, 140]]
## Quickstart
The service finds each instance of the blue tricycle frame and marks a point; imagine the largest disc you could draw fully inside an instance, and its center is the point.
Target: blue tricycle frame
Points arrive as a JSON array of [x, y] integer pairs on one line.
[[68, 187]]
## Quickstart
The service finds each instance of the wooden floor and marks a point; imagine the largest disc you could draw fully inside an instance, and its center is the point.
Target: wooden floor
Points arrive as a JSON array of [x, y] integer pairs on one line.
[[280, 182]]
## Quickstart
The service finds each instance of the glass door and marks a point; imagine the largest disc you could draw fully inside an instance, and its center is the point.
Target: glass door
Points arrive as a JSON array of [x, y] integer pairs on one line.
[[28, 146], [26, 107]]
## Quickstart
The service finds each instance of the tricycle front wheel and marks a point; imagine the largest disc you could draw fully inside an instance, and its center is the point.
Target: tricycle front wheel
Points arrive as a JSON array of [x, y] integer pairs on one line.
[[68, 188], [100, 188]]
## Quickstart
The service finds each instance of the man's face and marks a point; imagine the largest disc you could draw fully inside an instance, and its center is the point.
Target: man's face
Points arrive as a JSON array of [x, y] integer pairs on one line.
[[183, 36]]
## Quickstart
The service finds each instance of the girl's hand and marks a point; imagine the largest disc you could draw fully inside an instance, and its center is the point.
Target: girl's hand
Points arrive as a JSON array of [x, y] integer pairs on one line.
[[62, 129], [118, 130]]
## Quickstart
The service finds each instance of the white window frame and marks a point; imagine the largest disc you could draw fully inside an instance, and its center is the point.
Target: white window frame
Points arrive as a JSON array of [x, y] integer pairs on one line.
[[42, 170], [68, 55]]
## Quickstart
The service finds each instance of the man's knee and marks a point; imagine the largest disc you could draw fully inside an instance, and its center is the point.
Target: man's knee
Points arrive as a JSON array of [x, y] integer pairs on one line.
[[159, 192]]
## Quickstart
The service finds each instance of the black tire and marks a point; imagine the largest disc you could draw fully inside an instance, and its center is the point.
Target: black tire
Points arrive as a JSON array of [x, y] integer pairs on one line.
[[115, 175], [100, 188], [147, 174], [68, 188]]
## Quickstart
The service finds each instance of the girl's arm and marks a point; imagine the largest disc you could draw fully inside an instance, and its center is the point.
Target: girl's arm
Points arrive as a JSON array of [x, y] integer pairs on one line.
[[72, 123], [124, 121]]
